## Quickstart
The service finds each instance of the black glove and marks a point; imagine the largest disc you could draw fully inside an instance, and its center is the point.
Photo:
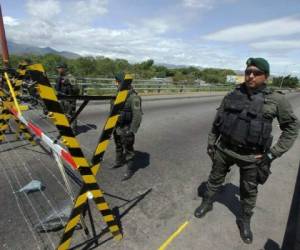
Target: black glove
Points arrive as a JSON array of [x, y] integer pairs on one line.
[[211, 151]]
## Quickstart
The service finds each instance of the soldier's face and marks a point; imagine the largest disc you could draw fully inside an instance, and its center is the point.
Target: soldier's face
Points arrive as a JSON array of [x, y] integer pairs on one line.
[[254, 77], [60, 70]]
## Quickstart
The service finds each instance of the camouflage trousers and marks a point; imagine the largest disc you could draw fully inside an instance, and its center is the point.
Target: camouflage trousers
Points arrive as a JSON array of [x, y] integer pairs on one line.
[[248, 179], [124, 142], [69, 108]]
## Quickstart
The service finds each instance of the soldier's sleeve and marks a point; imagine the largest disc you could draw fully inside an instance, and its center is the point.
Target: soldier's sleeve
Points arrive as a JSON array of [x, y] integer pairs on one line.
[[75, 89], [57, 85], [214, 132], [136, 107], [289, 125]]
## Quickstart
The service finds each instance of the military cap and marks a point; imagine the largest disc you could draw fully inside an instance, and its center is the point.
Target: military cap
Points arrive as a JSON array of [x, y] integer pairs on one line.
[[260, 63], [26, 61], [62, 65]]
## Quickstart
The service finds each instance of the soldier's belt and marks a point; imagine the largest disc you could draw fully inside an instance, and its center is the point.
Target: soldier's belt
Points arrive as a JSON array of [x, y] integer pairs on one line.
[[241, 149]]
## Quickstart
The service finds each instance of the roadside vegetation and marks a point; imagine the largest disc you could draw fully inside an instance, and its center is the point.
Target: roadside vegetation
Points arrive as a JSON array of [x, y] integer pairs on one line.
[[102, 67]]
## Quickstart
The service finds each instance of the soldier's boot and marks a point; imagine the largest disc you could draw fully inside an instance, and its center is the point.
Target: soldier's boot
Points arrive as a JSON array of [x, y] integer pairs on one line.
[[245, 230], [119, 160], [74, 126], [129, 171], [205, 206], [45, 111]]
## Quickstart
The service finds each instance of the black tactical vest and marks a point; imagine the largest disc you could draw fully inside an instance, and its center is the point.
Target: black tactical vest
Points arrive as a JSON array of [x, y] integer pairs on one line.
[[242, 122], [125, 117], [63, 86]]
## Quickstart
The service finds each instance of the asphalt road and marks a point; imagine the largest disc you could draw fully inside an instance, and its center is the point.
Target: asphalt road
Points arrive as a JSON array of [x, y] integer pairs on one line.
[[161, 196]]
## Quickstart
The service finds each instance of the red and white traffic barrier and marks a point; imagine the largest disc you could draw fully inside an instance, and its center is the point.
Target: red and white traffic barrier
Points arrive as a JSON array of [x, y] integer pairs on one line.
[[62, 153]]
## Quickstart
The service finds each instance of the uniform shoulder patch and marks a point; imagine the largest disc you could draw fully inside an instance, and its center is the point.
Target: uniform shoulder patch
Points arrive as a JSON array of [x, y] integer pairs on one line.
[[71, 79]]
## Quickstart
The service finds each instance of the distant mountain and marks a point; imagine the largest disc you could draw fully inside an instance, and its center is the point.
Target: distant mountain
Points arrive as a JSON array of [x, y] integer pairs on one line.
[[175, 66], [21, 49], [239, 72]]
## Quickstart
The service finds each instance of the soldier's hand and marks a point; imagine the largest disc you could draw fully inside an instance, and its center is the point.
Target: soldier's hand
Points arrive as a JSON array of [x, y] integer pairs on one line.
[[263, 166], [129, 133], [265, 159], [211, 151]]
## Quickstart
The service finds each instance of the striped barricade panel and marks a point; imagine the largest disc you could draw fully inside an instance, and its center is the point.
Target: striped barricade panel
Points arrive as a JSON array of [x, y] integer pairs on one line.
[[17, 84], [111, 123], [102, 146], [90, 186], [9, 102], [4, 117], [4, 113]]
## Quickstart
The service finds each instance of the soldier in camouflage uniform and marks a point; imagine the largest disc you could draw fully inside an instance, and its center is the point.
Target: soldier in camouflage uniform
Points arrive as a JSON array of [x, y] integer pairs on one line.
[[241, 135], [65, 87], [127, 126]]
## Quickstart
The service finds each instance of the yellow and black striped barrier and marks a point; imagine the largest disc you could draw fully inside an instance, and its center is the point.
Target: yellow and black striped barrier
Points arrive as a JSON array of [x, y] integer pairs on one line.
[[10, 101], [110, 123], [17, 87], [2, 124], [4, 112], [90, 187], [7, 102], [4, 116]]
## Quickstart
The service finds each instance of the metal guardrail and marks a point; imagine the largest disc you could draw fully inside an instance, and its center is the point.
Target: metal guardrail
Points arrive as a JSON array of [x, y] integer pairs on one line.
[[107, 86], [101, 86], [153, 88]]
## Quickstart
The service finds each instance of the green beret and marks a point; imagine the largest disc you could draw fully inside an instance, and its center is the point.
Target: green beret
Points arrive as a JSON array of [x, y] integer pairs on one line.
[[260, 63], [120, 76]]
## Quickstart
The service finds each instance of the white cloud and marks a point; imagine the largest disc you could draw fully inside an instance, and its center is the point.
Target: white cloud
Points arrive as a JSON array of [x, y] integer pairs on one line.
[[156, 25], [204, 4], [134, 43], [256, 31], [277, 45], [10, 21], [43, 9], [72, 30], [86, 10], [199, 4]]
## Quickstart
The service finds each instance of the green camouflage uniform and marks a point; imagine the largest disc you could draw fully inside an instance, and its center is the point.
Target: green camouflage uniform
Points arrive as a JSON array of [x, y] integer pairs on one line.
[[65, 86], [127, 126], [275, 106]]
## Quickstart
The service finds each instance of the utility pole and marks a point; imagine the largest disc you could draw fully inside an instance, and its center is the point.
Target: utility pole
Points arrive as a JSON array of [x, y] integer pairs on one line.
[[5, 56]]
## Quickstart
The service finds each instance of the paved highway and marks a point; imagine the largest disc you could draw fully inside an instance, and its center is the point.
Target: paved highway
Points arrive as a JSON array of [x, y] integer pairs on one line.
[[161, 196]]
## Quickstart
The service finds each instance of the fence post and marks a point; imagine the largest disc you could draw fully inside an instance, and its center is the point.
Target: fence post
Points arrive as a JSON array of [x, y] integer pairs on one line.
[[83, 88], [181, 89]]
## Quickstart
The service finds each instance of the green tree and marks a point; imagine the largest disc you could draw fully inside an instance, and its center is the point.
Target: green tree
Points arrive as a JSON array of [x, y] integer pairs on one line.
[[286, 81], [147, 64], [106, 67], [212, 75], [86, 66]]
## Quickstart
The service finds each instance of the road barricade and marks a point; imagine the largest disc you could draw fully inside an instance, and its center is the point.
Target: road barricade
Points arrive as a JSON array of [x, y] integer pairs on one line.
[[73, 156]]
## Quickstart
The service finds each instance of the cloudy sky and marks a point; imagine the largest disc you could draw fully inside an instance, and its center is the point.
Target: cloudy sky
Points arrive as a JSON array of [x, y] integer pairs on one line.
[[207, 33]]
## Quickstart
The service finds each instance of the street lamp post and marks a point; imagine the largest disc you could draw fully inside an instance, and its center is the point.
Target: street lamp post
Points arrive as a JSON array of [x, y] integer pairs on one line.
[[284, 77]]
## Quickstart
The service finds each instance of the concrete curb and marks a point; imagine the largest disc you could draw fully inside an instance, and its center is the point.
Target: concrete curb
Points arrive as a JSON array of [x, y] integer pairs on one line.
[[182, 96]]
